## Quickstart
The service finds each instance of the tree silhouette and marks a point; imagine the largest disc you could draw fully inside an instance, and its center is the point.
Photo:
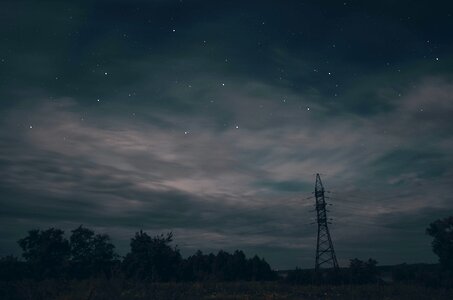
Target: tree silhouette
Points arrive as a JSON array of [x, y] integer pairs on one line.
[[198, 267], [91, 254], [46, 252], [442, 232], [260, 270], [221, 266], [363, 271], [226, 267], [152, 258], [238, 264]]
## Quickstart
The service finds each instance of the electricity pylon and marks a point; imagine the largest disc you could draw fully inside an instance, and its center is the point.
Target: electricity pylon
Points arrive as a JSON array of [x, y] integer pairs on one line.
[[325, 254]]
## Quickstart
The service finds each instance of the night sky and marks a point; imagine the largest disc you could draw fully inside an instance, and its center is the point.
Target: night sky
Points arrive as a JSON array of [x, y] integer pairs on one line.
[[211, 118]]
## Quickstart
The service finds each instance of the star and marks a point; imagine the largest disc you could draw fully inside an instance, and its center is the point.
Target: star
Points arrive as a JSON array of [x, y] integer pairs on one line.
[[237, 127], [308, 108], [105, 73], [31, 126]]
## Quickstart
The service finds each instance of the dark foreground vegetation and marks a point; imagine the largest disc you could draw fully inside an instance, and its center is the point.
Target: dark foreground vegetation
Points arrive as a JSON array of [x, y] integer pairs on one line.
[[85, 266], [101, 289]]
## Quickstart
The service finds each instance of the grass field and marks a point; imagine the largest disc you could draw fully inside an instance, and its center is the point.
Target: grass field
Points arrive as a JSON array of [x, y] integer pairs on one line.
[[123, 290]]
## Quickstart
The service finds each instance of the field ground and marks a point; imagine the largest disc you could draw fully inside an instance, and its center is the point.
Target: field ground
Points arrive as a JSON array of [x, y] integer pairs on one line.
[[122, 290]]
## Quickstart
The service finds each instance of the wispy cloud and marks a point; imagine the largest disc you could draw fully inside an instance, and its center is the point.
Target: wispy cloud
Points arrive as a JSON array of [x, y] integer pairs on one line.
[[228, 187]]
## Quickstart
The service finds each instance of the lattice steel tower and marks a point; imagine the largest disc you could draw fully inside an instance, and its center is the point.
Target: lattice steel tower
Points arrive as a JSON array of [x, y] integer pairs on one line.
[[325, 254]]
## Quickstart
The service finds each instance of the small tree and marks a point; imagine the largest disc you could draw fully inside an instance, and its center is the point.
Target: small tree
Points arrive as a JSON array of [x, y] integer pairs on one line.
[[46, 252], [363, 271], [442, 233], [260, 270]]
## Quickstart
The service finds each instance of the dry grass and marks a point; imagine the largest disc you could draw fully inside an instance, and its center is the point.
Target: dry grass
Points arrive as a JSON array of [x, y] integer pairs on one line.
[[124, 290]]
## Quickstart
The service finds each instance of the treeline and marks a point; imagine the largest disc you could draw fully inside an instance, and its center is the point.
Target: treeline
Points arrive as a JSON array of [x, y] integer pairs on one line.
[[358, 272], [365, 272], [48, 254]]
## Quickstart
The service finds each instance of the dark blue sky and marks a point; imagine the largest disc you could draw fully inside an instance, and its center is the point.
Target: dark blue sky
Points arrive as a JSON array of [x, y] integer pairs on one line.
[[210, 119]]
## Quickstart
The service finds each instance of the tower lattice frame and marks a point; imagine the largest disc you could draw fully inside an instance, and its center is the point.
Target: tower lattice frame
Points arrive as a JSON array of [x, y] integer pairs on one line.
[[325, 253]]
